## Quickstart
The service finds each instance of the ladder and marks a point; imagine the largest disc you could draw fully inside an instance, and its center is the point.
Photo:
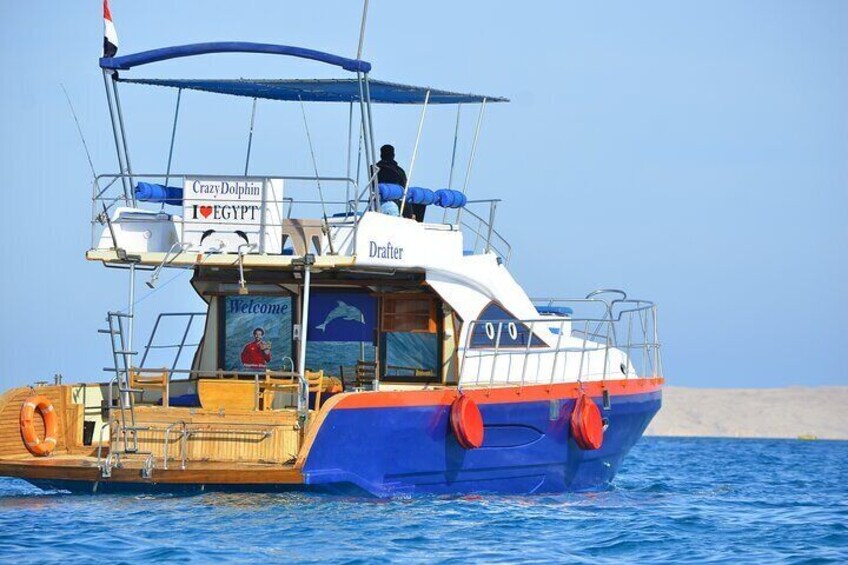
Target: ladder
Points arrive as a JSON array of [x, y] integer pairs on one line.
[[121, 366]]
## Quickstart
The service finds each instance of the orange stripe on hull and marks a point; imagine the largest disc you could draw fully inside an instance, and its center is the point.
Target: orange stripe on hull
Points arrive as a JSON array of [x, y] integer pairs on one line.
[[497, 395]]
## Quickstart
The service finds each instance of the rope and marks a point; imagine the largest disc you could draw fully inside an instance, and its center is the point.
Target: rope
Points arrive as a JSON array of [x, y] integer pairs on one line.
[[317, 177], [155, 290]]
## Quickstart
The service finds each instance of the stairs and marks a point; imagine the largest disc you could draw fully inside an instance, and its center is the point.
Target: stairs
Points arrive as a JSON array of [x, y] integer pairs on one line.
[[122, 357]]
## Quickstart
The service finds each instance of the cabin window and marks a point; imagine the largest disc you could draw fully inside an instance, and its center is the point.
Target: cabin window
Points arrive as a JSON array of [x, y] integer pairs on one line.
[[410, 337], [495, 319], [341, 330], [257, 333]]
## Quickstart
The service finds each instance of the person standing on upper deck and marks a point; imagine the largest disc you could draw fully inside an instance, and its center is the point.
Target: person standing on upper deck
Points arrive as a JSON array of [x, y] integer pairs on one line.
[[391, 173]]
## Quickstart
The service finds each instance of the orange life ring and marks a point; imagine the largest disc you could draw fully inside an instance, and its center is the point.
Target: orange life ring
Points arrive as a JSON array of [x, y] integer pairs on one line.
[[467, 422], [32, 442], [587, 426]]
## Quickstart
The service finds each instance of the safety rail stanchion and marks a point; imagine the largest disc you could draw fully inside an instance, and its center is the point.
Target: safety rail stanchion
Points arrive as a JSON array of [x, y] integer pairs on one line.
[[607, 346], [493, 206], [656, 340], [629, 343], [556, 351], [646, 354], [657, 362], [495, 354], [583, 352], [461, 371], [526, 355]]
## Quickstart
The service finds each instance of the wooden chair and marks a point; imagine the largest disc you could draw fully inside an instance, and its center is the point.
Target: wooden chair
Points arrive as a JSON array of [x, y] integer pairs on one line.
[[366, 374], [275, 382], [315, 383], [156, 379]]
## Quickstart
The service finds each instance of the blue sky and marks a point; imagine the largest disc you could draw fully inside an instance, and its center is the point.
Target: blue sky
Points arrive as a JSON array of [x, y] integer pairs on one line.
[[691, 153]]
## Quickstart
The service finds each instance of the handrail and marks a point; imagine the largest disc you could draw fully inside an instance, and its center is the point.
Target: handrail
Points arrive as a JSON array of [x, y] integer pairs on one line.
[[594, 340], [489, 233], [127, 62]]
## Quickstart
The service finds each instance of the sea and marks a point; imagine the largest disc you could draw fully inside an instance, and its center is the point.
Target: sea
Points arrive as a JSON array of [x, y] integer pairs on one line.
[[674, 500]]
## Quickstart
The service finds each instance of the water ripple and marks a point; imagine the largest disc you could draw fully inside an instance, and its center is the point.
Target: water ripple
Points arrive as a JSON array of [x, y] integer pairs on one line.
[[675, 500]]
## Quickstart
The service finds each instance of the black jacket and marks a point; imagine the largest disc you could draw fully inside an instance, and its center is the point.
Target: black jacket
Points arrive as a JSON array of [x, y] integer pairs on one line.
[[390, 172]]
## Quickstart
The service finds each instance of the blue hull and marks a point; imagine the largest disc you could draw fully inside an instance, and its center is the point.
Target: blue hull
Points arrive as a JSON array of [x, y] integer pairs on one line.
[[396, 450], [527, 449]]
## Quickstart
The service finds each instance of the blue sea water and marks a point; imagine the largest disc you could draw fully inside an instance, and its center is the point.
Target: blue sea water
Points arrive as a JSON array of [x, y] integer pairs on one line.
[[674, 500]]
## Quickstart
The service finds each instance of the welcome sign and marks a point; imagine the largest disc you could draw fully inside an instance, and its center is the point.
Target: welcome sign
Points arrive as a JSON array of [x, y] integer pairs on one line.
[[222, 213]]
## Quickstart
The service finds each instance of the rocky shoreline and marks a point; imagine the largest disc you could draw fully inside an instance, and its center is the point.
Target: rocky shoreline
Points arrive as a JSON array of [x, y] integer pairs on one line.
[[791, 412]]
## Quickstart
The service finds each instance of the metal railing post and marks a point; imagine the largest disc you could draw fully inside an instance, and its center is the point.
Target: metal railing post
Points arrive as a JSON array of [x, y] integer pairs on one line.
[[473, 155], [303, 388], [495, 355], [173, 137], [465, 354], [527, 353], [109, 102], [414, 152], [556, 350], [493, 206], [250, 137]]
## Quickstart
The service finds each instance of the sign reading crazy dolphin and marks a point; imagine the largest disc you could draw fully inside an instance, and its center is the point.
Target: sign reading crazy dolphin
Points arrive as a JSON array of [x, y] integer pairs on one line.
[[342, 316], [221, 214]]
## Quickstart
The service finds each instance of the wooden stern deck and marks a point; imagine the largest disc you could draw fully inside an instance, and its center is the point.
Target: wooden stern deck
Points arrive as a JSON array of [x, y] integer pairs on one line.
[[197, 473]]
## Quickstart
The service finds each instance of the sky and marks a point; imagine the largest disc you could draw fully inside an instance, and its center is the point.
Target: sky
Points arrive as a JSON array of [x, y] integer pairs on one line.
[[692, 153]]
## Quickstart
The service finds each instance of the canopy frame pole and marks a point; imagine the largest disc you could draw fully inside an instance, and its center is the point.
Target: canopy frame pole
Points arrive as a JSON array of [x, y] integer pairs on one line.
[[362, 31], [358, 193], [414, 151], [453, 156], [123, 137], [173, 137], [250, 137], [349, 149], [130, 321], [111, 105], [360, 142], [472, 156], [364, 120], [371, 138], [303, 388]]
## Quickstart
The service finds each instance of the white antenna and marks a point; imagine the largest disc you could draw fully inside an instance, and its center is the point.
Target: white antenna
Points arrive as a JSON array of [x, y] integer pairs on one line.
[[79, 130], [362, 30]]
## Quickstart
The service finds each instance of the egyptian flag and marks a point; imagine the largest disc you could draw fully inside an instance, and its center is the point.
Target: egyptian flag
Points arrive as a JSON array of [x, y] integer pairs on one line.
[[110, 36]]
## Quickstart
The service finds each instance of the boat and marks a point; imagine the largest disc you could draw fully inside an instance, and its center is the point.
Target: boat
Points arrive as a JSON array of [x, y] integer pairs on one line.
[[344, 347]]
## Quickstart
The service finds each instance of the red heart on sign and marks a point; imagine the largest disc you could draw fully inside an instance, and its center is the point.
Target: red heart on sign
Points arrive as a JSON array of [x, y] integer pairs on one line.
[[205, 211]]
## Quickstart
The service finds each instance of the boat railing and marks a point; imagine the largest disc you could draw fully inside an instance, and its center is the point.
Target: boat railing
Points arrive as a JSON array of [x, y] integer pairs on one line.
[[606, 339], [480, 235], [164, 228], [109, 194], [153, 348]]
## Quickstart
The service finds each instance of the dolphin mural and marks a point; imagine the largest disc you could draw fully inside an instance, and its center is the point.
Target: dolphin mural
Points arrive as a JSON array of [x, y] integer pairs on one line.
[[342, 311]]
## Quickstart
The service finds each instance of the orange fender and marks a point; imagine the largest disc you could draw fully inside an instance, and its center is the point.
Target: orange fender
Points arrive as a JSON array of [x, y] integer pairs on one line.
[[32, 442], [587, 426], [467, 423]]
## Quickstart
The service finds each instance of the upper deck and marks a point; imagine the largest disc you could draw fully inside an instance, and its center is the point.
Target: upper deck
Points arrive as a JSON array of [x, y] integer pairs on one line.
[[253, 222], [276, 221]]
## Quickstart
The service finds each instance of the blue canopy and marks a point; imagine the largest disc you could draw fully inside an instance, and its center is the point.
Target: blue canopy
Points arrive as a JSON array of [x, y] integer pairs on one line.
[[126, 62], [320, 90]]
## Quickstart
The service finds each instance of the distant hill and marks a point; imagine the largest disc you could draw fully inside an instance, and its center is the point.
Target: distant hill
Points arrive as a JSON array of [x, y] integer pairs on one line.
[[792, 412]]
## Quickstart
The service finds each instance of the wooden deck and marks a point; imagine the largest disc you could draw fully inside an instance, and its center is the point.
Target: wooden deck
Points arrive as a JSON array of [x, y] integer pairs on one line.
[[75, 468], [204, 447]]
